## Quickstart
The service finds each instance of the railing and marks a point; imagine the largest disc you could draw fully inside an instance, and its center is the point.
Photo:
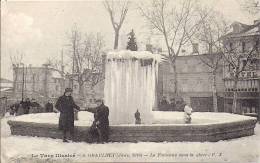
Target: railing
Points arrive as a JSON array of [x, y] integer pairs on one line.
[[244, 74], [248, 85]]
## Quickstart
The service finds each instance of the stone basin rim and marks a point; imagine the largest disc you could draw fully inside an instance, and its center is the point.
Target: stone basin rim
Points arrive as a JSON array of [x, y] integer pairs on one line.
[[253, 120]]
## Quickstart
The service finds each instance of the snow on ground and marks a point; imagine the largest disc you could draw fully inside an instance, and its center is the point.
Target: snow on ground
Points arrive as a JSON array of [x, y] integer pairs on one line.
[[85, 118], [31, 149], [159, 118]]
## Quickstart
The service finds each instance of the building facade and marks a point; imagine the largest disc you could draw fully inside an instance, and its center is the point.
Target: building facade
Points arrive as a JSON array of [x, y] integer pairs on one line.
[[40, 83], [194, 82], [244, 38]]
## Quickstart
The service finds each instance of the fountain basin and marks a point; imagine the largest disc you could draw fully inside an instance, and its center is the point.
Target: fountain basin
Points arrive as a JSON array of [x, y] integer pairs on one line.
[[221, 126]]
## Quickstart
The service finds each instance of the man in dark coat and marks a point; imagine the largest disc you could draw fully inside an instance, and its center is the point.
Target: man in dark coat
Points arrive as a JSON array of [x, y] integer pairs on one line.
[[16, 106], [172, 104], [12, 110], [35, 107], [100, 126], [66, 105], [49, 106], [164, 101], [26, 105]]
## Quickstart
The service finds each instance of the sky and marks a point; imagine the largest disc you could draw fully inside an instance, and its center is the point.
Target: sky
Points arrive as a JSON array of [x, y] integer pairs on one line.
[[39, 29]]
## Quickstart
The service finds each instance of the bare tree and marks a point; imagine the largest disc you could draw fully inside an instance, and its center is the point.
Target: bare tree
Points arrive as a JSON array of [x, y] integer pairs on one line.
[[54, 63], [117, 11], [213, 27], [176, 23], [213, 34], [16, 60], [238, 59], [86, 55], [57, 64]]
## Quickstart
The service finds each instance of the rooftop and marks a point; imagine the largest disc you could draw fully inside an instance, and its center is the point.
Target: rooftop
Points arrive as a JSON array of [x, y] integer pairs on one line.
[[243, 30]]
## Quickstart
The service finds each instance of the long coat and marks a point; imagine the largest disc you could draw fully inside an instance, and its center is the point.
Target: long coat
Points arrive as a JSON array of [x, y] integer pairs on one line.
[[49, 107], [66, 105], [26, 106], [35, 107], [101, 121]]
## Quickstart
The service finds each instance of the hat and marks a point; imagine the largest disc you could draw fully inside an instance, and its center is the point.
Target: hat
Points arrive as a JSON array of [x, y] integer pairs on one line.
[[99, 100], [68, 90]]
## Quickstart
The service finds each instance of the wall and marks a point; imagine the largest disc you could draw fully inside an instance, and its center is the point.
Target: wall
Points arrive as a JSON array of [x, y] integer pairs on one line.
[[39, 83], [194, 79]]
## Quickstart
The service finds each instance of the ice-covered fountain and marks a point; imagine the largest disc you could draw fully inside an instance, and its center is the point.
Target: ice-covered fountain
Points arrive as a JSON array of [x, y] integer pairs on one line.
[[130, 80], [130, 84]]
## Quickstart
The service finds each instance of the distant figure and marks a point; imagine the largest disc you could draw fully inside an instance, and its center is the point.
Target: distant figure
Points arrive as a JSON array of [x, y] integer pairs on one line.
[[26, 105], [100, 125], [187, 114], [11, 110], [164, 104], [16, 107], [164, 101], [137, 117], [66, 105], [35, 107], [172, 104], [20, 110], [180, 104], [49, 106]]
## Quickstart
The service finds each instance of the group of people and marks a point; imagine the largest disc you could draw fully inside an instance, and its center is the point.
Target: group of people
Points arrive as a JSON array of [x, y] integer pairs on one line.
[[177, 104], [28, 106], [99, 129]]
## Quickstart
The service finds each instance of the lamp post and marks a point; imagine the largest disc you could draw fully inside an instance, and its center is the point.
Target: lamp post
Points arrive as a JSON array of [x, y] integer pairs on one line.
[[23, 82]]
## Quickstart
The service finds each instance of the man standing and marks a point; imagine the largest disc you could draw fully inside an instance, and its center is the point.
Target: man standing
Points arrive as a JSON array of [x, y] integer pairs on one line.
[[49, 106], [35, 107], [172, 104], [16, 106], [26, 105], [100, 126], [66, 105]]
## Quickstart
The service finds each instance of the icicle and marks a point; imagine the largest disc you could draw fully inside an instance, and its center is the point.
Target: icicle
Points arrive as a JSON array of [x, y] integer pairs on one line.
[[130, 84]]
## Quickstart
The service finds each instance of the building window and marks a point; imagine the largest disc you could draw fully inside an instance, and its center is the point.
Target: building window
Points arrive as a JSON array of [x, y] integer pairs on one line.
[[231, 46], [244, 62], [75, 86], [254, 74], [243, 74], [248, 74], [195, 48], [243, 46]]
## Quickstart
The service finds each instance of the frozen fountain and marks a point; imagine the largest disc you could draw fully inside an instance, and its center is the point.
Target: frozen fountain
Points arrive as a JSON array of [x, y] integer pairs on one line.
[[130, 84]]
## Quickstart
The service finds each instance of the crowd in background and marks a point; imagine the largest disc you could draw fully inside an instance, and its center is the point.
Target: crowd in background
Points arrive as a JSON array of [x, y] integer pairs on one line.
[[175, 104], [28, 106]]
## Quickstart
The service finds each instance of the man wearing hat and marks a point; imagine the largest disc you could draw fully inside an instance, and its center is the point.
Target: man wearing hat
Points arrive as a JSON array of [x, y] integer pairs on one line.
[[100, 126], [66, 105], [26, 105]]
